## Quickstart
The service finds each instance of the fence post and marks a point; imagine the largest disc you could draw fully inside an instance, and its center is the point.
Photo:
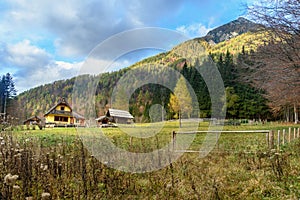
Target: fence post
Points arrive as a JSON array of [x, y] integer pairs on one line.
[[294, 133], [267, 139], [174, 139], [283, 136], [298, 133], [130, 142], [271, 139], [278, 140], [290, 132]]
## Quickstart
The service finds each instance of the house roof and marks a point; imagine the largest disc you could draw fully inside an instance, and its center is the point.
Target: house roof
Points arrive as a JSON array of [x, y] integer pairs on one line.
[[101, 118], [33, 118], [60, 102], [77, 116], [119, 113]]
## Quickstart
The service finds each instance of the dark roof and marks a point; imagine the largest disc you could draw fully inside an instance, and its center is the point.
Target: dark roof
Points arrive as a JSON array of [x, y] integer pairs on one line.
[[60, 102], [33, 118], [77, 116], [119, 113]]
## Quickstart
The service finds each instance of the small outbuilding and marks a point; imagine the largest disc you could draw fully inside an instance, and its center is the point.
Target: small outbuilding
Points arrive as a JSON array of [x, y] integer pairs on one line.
[[103, 120], [116, 116], [32, 120], [120, 116]]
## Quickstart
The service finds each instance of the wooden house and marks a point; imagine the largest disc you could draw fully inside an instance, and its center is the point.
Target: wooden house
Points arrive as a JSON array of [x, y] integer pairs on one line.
[[62, 114], [103, 120], [116, 116], [119, 116], [32, 120]]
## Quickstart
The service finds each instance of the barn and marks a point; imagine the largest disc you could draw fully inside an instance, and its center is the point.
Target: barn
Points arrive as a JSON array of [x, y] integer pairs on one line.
[[32, 120], [116, 116]]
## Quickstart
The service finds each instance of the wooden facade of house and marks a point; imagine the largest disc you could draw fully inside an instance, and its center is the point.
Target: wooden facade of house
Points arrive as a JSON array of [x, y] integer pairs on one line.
[[62, 114], [120, 116], [32, 120], [103, 120], [115, 116], [79, 120]]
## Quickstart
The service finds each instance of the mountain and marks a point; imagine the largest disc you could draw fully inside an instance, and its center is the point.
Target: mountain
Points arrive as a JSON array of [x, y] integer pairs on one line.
[[224, 44], [231, 30]]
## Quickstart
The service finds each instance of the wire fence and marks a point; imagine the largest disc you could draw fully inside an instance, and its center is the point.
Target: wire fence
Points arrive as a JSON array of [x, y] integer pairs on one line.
[[234, 140]]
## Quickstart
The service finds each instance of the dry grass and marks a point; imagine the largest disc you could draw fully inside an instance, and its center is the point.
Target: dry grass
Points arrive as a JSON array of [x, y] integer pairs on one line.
[[53, 164]]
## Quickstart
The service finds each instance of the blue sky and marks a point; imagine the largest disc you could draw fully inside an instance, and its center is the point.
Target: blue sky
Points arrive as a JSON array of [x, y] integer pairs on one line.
[[44, 41]]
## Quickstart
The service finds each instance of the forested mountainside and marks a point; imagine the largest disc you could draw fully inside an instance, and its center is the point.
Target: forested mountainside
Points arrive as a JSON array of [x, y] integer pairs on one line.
[[243, 101]]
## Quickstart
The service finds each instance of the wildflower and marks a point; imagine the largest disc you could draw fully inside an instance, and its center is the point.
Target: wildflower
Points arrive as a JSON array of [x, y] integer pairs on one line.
[[16, 187], [18, 155], [46, 195], [10, 179]]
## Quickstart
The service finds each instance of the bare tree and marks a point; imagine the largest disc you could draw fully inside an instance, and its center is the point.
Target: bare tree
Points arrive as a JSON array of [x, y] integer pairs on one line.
[[275, 66]]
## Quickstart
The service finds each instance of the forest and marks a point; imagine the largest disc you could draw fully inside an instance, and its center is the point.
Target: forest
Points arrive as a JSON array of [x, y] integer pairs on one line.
[[243, 100]]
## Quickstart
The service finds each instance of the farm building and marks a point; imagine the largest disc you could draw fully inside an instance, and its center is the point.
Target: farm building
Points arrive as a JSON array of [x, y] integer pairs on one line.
[[62, 114], [103, 120], [116, 116], [32, 120]]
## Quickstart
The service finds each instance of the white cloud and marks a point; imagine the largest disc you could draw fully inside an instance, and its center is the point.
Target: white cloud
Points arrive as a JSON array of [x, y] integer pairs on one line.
[[68, 66], [97, 66], [78, 26], [33, 66], [26, 55], [193, 30], [56, 70]]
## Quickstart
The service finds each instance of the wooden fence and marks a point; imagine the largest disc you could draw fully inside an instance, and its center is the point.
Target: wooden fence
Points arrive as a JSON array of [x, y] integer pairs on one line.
[[274, 139]]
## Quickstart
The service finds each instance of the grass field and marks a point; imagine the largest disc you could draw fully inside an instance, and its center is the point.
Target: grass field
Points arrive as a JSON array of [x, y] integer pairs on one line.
[[55, 162]]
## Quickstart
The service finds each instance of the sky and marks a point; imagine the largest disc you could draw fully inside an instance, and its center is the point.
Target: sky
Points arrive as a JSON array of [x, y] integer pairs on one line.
[[49, 40]]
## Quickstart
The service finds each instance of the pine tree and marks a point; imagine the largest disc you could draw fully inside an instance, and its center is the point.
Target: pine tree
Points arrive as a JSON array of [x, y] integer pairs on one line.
[[7, 91]]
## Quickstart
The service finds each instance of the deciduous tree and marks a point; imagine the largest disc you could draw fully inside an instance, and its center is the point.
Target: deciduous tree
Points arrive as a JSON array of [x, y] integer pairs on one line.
[[275, 66]]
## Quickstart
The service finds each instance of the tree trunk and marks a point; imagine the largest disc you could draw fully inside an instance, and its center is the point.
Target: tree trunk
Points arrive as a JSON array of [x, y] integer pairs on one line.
[[296, 113], [287, 114], [179, 115]]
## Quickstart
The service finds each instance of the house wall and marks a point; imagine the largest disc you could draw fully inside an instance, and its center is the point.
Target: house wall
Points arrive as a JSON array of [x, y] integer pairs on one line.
[[79, 122], [50, 119], [66, 108], [120, 120], [29, 122]]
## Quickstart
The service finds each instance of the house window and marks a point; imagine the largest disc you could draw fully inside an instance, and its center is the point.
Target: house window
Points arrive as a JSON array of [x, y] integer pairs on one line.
[[60, 119], [62, 108]]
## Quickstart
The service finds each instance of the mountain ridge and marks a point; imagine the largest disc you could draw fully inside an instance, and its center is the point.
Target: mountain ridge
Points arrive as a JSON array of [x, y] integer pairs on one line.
[[231, 30]]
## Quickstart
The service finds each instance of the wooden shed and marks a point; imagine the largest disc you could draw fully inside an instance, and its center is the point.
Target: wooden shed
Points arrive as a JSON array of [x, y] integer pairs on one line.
[[32, 120], [115, 116], [120, 116]]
